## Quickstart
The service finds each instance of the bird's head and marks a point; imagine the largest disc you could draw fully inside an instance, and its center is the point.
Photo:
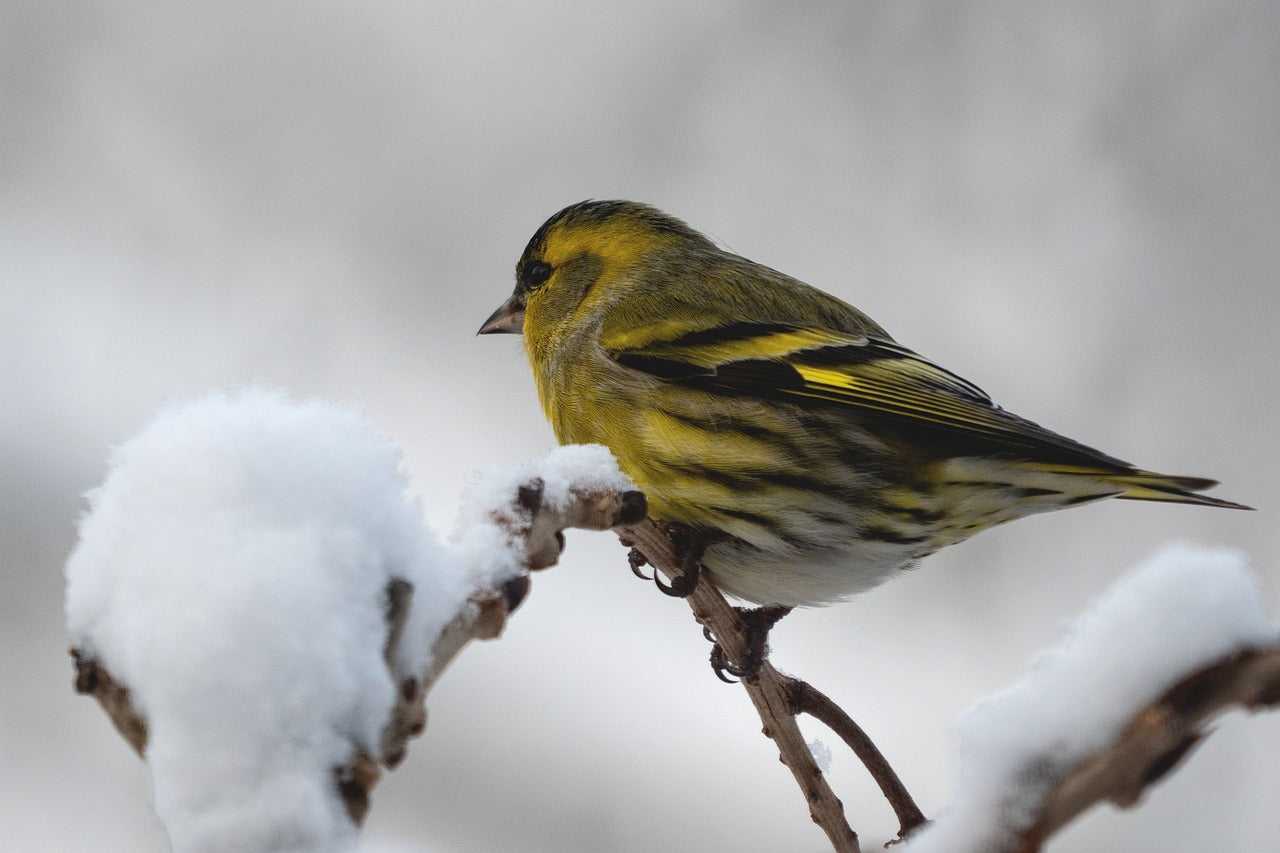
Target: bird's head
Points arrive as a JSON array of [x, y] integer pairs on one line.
[[581, 258]]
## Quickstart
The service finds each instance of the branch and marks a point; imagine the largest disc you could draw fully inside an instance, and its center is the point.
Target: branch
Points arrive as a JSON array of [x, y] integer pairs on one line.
[[539, 527], [535, 525], [92, 678], [777, 698], [1115, 708], [188, 619], [809, 700], [1156, 740]]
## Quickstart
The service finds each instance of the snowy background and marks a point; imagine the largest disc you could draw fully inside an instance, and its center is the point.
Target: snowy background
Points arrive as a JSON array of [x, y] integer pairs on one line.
[[1076, 209]]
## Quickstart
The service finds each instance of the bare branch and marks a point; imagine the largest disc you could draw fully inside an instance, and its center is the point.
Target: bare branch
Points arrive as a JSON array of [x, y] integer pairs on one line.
[[771, 692], [809, 700]]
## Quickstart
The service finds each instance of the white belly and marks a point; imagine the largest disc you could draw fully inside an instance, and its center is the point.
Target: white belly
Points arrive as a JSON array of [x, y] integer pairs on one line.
[[804, 579]]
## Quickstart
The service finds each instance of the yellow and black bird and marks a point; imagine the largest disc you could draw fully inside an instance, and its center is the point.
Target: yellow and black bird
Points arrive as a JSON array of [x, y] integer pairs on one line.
[[816, 454]]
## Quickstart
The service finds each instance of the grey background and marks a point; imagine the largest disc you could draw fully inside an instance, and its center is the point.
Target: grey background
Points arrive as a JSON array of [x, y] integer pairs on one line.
[[1075, 207]]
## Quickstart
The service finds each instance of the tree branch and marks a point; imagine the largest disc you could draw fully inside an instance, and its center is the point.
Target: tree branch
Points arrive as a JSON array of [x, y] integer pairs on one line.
[[1157, 739], [535, 525], [809, 700], [773, 694], [539, 527]]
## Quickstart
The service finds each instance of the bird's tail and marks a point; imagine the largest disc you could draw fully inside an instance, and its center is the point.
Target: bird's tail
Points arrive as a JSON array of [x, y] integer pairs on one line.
[[1149, 486], [984, 492], [1083, 483]]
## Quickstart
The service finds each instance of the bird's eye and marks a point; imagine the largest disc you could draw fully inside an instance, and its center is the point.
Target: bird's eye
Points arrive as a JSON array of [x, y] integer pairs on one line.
[[536, 274]]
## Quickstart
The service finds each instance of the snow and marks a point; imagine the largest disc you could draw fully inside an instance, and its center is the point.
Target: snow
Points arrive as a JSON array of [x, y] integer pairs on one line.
[[821, 754], [231, 573], [483, 539], [1185, 608], [485, 547]]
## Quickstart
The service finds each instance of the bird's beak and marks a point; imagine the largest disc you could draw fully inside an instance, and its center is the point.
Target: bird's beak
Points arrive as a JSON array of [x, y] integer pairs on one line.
[[508, 319]]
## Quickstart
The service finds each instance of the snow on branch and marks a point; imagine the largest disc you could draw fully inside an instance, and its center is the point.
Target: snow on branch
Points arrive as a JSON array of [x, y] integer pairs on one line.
[[259, 608], [1119, 705], [1128, 696], [256, 603]]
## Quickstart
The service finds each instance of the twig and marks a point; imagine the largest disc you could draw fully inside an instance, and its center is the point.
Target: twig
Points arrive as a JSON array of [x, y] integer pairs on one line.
[[94, 679], [809, 700], [539, 529], [1157, 739], [770, 692]]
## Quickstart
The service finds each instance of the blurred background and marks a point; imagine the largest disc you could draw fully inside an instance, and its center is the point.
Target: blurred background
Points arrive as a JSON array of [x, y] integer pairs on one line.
[[1076, 208]]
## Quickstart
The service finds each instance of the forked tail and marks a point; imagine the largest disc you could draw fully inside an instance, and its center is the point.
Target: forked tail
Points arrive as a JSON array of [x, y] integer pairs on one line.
[[1149, 486], [1085, 483]]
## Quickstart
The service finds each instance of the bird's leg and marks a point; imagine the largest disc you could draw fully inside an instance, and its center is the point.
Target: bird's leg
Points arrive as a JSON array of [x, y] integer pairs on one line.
[[757, 623], [689, 546]]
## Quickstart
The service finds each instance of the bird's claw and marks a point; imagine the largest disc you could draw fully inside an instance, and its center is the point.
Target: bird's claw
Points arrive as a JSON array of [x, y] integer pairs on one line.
[[720, 664], [757, 623], [683, 586], [637, 560], [688, 546]]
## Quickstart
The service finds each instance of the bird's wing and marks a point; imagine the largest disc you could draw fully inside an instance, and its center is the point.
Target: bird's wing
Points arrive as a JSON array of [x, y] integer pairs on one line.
[[875, 377]]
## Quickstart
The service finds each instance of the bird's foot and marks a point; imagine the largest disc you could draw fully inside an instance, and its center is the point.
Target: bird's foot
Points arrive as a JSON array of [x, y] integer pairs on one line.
[[757, 623], [689, 547]]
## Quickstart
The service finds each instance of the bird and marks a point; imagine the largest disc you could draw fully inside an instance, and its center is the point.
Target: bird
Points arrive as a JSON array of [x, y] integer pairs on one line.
[[815, 455]]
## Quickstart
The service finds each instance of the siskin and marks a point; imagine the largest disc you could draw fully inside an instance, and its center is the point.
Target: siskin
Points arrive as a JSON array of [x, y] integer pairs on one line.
[[815, 454]]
